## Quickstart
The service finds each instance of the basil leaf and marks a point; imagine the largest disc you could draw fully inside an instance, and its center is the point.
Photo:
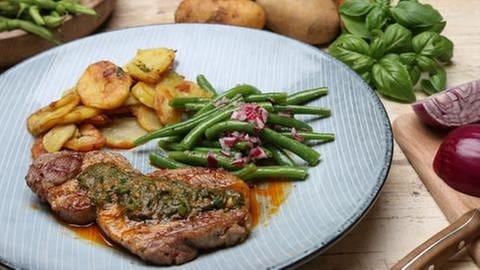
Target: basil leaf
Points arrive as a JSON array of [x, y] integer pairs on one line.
[[426, 63], [438, 28], [391, 79], [408, 58], [355, 8], [349, 48], [377, 47], [436, 82], [376, 18], [433, 45], [414, 72], [397, 38], [355, 25], [412, 14], [367, 76], [363, 64]]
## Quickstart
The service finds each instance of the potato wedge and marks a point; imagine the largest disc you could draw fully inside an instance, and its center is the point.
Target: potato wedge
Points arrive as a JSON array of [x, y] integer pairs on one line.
[[165, 113], [104, 85], [131, 100], [122, 132], [144, 92], [150, 65], [56, 137], [99, 120], [86, 138], [37, 148], [79, 114], [47, 117], [146, 117]]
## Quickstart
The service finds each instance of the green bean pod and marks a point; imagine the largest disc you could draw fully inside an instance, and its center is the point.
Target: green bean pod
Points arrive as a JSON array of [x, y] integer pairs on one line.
[[206, 85], [275, 119], [179, 103], [306, 96], [297, 109], [7, 24], [277, 173], [274, 97], [201, 159], [280, 157], [34, 12], [213, 144], [306, 153], [228, 126], [327, 137], [246, 171], [163, 162]]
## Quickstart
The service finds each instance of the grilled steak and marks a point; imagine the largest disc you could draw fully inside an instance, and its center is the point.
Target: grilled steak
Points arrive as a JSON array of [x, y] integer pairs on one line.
[[164, 217]]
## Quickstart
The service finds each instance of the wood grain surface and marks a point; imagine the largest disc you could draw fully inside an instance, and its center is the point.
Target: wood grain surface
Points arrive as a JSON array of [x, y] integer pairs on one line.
[[405, 214]]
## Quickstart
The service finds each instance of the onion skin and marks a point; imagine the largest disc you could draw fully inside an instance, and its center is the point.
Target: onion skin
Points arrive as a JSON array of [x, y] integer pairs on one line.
[[457, 161], [451, 108]]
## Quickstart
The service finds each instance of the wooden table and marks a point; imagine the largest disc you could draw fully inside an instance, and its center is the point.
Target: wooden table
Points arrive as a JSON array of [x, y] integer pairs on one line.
[[405, 214]]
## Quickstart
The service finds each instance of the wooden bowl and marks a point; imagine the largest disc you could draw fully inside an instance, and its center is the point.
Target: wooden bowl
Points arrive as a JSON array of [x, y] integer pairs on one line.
[[17, 45]]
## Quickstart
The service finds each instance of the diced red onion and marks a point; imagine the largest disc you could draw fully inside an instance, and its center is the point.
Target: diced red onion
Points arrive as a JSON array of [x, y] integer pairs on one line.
[[296, 136], [257, 153], [227, 142], [225, 153], [238, 162], [251, 113], [212, 161], [221, 101], [454, 107]]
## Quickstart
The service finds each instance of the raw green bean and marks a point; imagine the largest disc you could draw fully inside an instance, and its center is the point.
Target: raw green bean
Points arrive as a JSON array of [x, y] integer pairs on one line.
[[298, 109], [197, 132], [275, 119], [306, 96], [35, 14], [179, 103], [327, 137], [275, 97], [306, 153], [243, 90], [278, 173], [280, 157], [228, 126], [12, 24], [163, 162], [246, 171], [62, 6], [53, 21], [201, 159], [205, 84]]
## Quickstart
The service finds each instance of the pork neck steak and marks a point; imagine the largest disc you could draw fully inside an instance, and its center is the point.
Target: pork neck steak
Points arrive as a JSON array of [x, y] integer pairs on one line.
[[164, 217]]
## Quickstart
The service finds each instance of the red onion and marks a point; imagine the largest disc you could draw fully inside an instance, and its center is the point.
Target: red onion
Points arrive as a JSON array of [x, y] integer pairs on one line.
[[212, 161], [454, 107], [296, 136], [257, 153], [457, 161], [251, 113]]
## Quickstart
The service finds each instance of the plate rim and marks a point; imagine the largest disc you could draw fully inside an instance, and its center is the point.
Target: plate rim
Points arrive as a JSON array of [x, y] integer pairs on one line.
[[350, 223]]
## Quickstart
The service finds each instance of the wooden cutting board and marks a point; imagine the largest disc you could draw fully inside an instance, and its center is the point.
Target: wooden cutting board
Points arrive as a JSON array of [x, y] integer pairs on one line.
[[420, 143]]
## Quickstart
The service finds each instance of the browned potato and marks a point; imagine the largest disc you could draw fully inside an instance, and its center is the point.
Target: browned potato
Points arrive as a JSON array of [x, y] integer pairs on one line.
[[234, 12], [150, 65], [79, 114], [104, 85], [99, 120], [86, 138], [191, 89], [166, 114], [311, 21], [146, 117], [122, 132], [56, 137], [144, 93], [131, 100], [37, 148], [47, 117]]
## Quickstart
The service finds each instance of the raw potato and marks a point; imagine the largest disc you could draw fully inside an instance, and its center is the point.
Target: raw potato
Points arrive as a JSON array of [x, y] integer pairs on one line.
[[79, 114], [54, 139], [146, 117], [144, 93], [104, 85], [122, 132], [47, 117], [311, 21], [86, 138], [234, 12], [150, 65]]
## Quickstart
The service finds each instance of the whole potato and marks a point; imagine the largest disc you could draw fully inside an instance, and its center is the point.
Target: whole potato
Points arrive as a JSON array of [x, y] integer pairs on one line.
[[234, 12], [311, 21]]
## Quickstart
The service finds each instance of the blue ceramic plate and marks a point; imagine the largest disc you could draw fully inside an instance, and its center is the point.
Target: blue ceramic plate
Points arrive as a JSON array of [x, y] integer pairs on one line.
[[317, 212]]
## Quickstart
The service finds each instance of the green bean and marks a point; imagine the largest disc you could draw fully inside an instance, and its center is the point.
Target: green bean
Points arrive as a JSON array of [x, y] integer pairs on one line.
[[267, 106], [306, 96], [53, 21], [275, 97], [62, 6], [244, 90], [213, 144], [306, 153], [179, 103], [203, 149], [275, 119], [197, 132], [245, 171], [201, 159], [242, 146], [327, 137], [193, 107], [280, 157], [35, 14], [228, 126], [206, 85], [12, 24], [296, 109], [167, 142], [278, 173], [9, 9], [163, 162]]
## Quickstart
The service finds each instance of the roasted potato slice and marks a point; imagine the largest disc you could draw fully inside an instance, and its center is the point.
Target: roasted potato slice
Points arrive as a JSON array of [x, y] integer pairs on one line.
[[131, 100], [146, 117], [86, 138], [37, 148], [47, 117], [104, 85], [79, 114], [56, 137], [144, 92], [98, 120], [191, 89], [150, 65], [122, 132], [166, 114]]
